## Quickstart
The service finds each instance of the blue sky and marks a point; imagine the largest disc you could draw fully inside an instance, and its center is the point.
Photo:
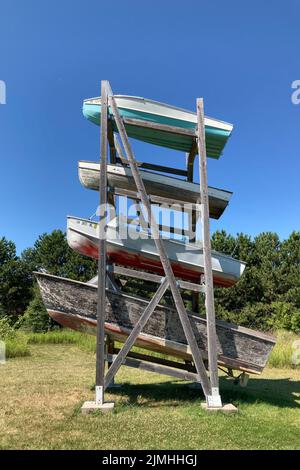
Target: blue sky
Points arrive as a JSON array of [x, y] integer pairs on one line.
[[241, 57]]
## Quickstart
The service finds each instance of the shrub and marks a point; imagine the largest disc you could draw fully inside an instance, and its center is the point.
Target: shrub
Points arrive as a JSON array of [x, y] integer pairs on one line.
[[293, 296], [6, 329], [252, 316], [36, 318], [18, 346], [284, 316], [16, 342], [264, 316], [223, 314]]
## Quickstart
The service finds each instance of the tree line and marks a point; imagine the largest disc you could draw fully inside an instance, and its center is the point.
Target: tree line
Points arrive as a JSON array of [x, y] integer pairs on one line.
[[267, 297]]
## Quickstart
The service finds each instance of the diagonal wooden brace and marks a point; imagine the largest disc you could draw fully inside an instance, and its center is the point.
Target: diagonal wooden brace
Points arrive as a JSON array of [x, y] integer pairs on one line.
[[135, 332]]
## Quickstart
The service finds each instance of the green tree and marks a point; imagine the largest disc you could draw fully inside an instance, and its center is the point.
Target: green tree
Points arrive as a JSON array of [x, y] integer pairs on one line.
[[36, 317], [289, 269], [249, 288], [7, 251], [15, 281], [267, 261], [52, 254], [222, 242]]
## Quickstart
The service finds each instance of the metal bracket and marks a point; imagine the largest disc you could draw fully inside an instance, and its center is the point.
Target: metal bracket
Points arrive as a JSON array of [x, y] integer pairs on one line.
[[99, 395], [214, 400]]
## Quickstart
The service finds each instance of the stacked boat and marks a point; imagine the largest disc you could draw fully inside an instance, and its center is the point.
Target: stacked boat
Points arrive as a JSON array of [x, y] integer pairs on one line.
[[74, 304]]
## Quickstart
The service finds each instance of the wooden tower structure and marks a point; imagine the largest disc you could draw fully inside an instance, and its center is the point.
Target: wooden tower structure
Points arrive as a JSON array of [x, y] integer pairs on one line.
[[117, 147]]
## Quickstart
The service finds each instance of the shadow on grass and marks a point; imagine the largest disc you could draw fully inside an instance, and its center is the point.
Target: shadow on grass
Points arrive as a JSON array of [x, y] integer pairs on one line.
[[275, 392]]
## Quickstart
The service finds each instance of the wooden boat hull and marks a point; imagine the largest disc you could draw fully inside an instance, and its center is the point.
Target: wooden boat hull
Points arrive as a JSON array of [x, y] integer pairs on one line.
[[186, 259], [157, 185], [216, 132], [74, 304]]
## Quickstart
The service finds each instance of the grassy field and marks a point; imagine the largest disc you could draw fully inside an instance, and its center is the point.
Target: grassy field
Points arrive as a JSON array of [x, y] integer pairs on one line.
[[41, 395]]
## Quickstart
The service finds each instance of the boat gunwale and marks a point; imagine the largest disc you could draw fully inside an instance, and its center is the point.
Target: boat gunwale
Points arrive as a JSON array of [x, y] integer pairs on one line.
[[189, 183], [227, 126]]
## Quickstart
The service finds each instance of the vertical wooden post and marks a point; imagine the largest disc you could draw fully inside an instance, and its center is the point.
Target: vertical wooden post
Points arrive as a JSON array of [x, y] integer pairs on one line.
[[111, 140], [190, 158], [112, 201], [110, 349], [100, 346], [192, 216], [214, 400]]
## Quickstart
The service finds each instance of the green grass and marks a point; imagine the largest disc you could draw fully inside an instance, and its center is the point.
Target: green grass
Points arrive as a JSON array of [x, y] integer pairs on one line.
[[281, 356], [41, 397], [16, 342], [65, 336], [17, 346], [84, 341]]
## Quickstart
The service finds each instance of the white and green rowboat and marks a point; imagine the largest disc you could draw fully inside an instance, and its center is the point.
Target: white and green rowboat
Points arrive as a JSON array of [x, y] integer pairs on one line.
[[173, 127]]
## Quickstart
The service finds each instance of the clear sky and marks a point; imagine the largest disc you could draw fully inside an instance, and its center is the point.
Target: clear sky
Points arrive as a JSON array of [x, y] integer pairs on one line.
[[240, 56]]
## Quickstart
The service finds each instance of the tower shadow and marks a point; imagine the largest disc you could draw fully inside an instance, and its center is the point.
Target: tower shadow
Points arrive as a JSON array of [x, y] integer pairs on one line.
[[283, 393]]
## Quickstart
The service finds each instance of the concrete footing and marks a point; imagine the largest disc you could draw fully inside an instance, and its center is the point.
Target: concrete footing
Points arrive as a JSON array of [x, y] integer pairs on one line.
[[92, 406], [229, 408]]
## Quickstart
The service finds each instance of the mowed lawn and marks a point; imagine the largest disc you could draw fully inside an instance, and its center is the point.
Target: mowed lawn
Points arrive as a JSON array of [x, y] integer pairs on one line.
[[41, 397]]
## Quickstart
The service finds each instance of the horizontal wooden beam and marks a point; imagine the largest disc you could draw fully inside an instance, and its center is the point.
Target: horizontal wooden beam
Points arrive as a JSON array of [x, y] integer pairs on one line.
[[189, 206], [153, 278], [156, 368], [161, 361], [154, 167], [165, 228], [160, 127]]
